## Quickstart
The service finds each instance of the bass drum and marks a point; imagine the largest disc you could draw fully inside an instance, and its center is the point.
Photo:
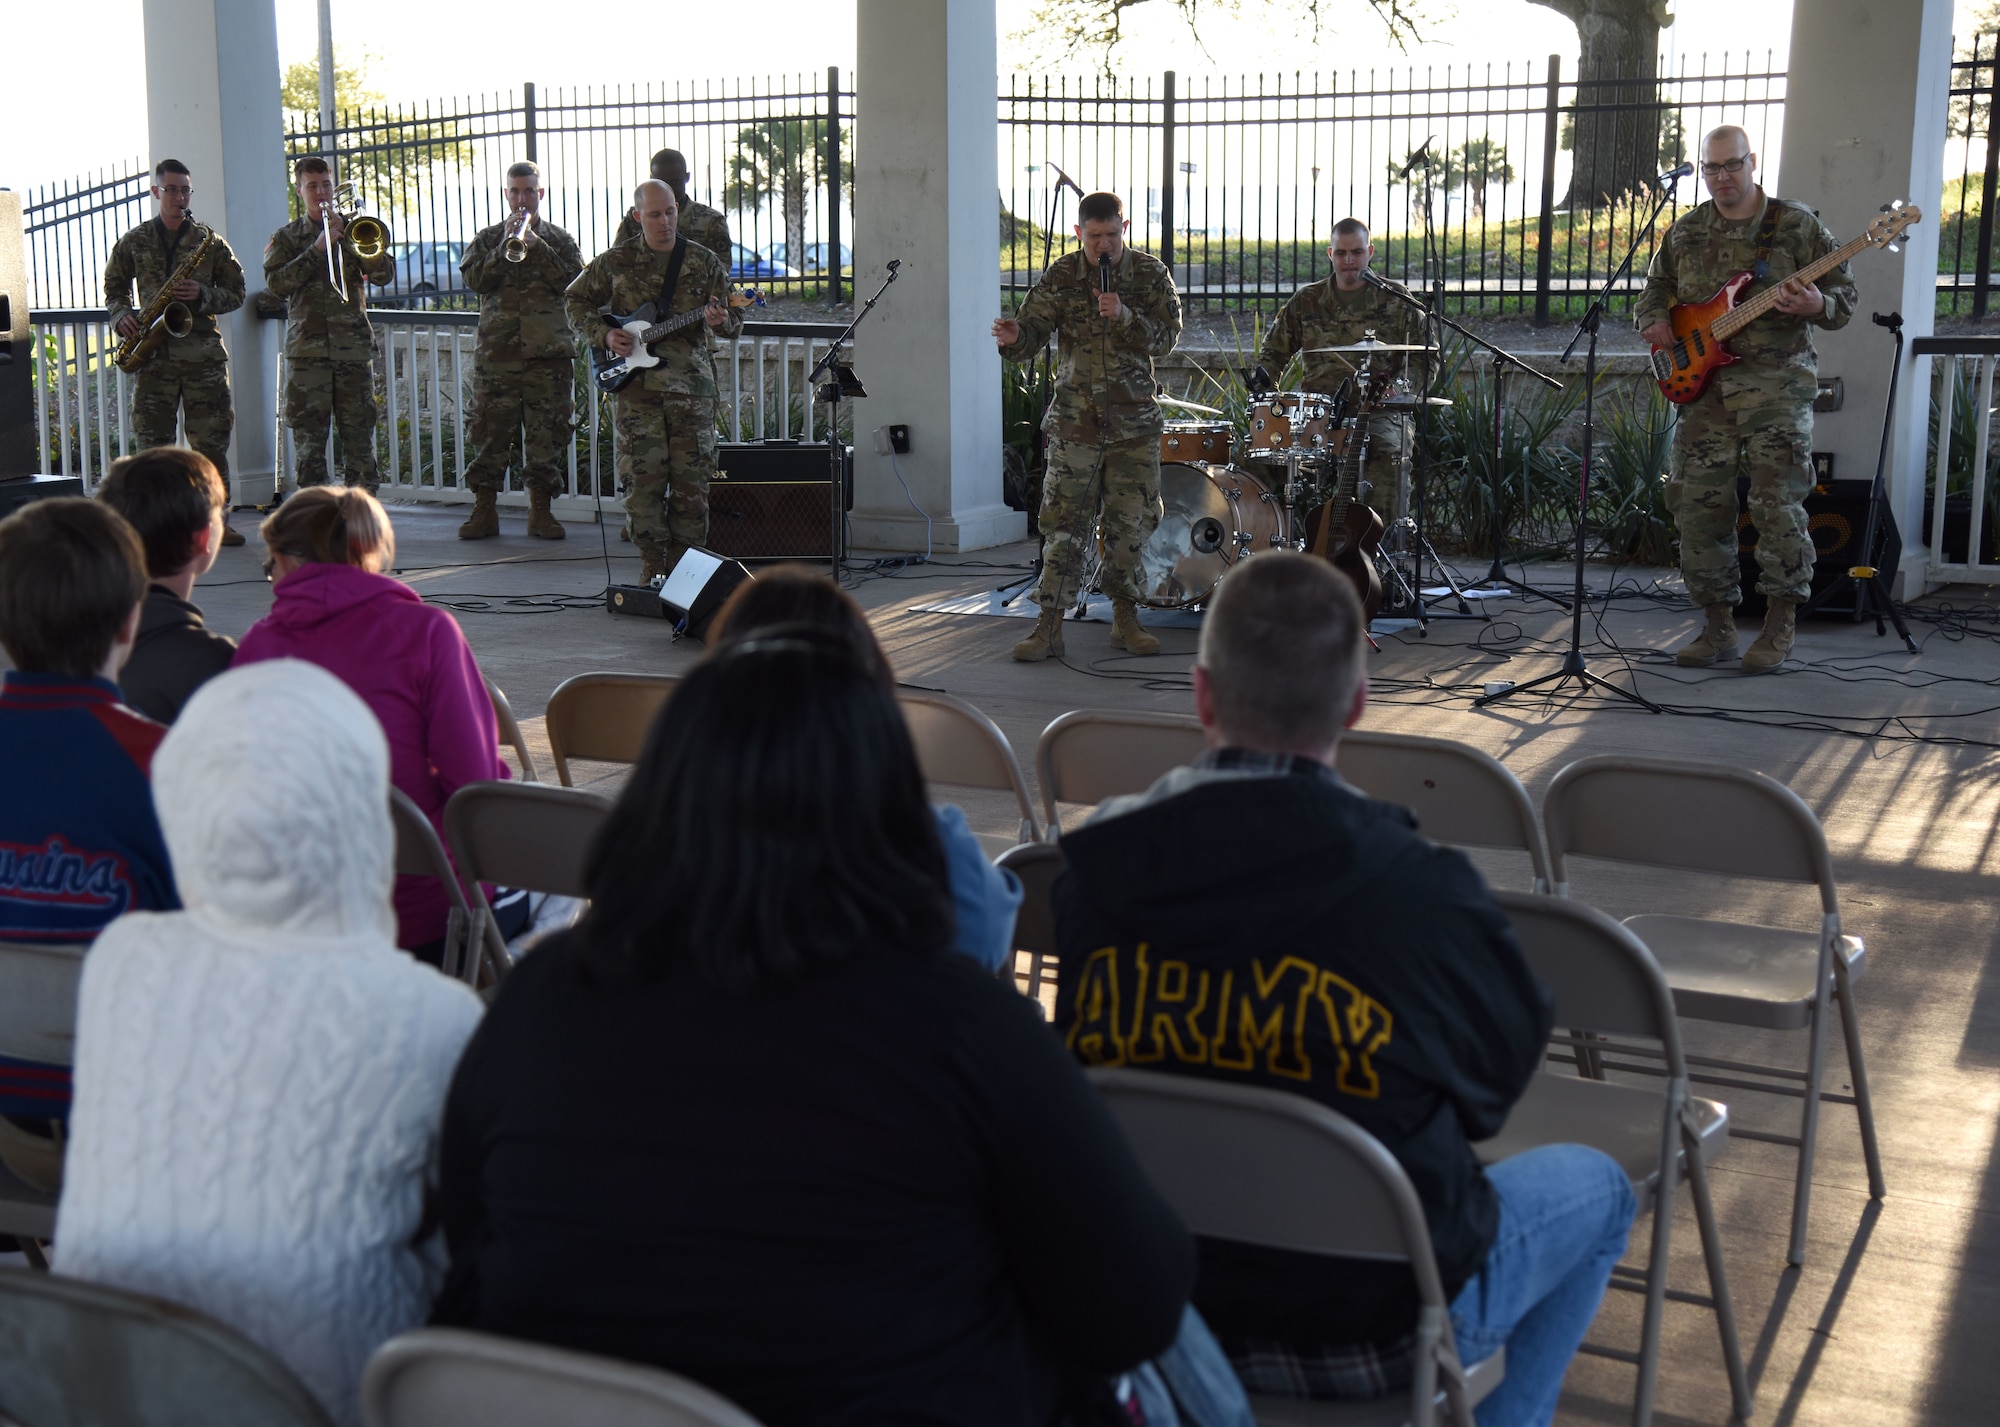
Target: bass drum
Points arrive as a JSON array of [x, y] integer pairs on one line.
[[1213, 517]]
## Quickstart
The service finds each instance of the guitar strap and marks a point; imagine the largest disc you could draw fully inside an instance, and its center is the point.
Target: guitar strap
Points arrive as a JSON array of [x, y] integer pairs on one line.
[[1767, 233], [671, 281]]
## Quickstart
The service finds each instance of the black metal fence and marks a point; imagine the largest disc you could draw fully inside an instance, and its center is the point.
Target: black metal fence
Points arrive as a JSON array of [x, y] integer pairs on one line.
[[1965, 241], [71, 227], [1236, 184]]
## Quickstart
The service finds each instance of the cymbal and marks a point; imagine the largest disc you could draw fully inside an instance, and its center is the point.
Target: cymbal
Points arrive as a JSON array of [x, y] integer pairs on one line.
[[1369, 346], [1393, 402], [1195, 406]]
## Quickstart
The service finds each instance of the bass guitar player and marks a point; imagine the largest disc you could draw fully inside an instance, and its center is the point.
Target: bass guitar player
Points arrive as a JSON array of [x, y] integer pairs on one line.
[[1755, 415]]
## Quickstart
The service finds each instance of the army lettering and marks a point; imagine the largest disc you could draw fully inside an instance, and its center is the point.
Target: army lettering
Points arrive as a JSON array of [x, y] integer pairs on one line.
[[1134, 1008]]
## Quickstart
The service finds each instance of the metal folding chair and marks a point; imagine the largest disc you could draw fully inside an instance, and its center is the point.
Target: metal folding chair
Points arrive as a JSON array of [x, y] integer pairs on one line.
[[510, 732], [447, 1377], [1606, 982], [603, 717], [1037, 864], [1094, 754], [1271, 1168], [1460, 795], [78, 1352], [419, 853], [38, 988], [1732, 822], [520, 835], [959, 746]]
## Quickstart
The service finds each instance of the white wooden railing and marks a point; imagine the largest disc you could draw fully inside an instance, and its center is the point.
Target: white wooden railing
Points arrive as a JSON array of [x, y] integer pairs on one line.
[[1958, 517]]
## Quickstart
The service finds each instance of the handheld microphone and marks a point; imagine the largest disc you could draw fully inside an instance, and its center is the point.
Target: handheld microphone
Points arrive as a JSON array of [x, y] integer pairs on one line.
[[895, 263], [1063, 181], [1416, 158], [1675, 173], [1104, 272]]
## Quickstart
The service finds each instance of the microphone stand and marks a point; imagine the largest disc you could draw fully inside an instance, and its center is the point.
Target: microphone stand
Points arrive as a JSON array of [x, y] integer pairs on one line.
[[841, 382], [1502, 359], [1574, 665]]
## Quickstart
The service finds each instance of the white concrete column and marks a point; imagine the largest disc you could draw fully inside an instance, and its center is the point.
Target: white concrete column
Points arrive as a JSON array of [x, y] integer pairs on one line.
[[212, 102], [926, 191], [1864, 124]]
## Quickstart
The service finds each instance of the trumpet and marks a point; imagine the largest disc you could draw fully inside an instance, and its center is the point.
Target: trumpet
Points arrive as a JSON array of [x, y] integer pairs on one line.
[[369, 235], [516, 250]]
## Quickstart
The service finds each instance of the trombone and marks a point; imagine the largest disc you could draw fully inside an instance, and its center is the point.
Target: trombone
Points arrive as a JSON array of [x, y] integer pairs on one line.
[[369, 235], [516, 250]]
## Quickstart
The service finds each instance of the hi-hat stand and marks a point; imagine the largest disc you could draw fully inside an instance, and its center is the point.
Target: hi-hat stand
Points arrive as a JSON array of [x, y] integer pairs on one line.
[[1871, 591], [1574, 665], [841, 382]]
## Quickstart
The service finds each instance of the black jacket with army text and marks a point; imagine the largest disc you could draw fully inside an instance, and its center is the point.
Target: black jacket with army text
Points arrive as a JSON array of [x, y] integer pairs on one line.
[[1324, 948]]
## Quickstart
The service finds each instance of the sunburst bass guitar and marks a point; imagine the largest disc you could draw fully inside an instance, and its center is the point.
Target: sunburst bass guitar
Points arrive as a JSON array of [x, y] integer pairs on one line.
[[1703, 329]]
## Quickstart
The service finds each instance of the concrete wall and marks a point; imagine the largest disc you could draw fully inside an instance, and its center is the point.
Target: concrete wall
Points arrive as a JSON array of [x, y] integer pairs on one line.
[[1865, 124], [926, 180], [212, 102]]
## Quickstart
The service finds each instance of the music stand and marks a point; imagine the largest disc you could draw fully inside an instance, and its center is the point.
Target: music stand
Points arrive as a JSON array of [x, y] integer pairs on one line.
[[1574, 666], [842, 383]]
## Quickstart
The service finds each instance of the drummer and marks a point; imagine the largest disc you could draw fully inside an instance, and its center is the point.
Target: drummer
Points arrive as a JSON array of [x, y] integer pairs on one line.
[[1338, 312]]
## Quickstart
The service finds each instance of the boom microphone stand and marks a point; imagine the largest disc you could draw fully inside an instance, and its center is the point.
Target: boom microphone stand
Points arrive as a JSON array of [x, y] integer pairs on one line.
[[841, 382], [1871, 592], [1573, 665]]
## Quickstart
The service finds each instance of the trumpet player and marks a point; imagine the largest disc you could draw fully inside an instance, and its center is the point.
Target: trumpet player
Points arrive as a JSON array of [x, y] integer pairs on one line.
[[523, 365], [329, 342], [187, 374]]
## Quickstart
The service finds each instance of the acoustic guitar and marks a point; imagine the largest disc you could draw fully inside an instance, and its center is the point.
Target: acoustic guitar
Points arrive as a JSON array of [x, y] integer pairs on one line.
[[1703, 329], [1344, 530]]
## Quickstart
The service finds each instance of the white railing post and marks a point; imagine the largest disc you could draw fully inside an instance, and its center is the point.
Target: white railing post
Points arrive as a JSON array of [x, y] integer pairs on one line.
[[1977, 515]]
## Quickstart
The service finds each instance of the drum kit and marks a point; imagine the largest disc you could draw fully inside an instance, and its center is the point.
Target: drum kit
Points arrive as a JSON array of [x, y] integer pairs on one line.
[[1312, 448]]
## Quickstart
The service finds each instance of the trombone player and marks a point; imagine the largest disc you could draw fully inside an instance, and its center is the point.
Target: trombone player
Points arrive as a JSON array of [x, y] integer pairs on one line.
[[524, 363], [323, 273], [186, 271]]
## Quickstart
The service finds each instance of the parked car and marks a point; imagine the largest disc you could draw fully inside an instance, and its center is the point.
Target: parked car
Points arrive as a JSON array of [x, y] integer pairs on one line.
[[747, 262], [425, 272], [815, 257]]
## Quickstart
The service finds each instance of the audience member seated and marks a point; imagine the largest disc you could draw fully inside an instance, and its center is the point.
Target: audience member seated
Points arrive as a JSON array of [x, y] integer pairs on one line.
[[750, 1121], [1319, 945], [333, 606], [79, 842], [175, 500], [261, 1077], [984, 897]]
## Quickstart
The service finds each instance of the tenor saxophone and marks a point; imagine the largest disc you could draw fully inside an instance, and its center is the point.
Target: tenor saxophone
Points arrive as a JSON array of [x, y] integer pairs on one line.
[[165, 316]]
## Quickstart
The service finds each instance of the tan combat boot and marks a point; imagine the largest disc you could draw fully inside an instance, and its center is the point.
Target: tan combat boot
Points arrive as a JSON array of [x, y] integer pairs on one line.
[[231, 536], [484, 522], [654, 568], [1126, 631], [1717, 641], [1046, 640], [1780, 625], [541, 524]]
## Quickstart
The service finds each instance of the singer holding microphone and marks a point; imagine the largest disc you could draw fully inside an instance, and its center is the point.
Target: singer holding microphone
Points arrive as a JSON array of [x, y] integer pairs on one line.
[[1112, 309], [1348, 305], [523, 364]]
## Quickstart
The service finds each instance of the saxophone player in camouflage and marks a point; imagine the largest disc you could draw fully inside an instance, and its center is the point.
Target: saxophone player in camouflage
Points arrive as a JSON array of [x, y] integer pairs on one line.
[[1104, 421], [524, 362], [186, 376], [698, 222], [1338, 311], [1756, 416], [329, 344], [663, 421]]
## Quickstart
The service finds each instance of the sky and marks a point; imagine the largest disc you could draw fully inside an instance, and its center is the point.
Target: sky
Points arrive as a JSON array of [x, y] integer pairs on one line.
[[422, 51]]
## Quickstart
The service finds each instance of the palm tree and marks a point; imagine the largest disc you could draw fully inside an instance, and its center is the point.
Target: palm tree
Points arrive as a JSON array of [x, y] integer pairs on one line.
[[784, 159]]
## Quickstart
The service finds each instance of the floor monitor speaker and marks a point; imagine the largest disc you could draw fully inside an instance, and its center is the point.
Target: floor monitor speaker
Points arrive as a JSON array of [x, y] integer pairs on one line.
[[1836, 519]]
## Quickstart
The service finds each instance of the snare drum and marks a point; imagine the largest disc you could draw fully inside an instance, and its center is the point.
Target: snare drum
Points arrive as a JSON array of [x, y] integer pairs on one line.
[[1206, 441], [1214, 516], [1292, 418]]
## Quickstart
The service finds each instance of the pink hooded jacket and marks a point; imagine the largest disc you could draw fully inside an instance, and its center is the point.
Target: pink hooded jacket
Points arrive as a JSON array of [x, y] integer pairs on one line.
[[412, 667]]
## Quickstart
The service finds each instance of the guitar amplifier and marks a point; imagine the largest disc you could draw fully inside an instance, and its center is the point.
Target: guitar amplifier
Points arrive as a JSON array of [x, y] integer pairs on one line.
[[1836, 519], [771, 500]]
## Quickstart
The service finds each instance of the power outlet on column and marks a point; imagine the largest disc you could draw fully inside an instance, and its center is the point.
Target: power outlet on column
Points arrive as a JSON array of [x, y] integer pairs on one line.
[[899, 440]]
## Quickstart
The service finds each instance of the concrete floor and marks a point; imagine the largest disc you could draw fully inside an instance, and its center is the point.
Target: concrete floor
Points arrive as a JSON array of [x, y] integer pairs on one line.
[[1883, 1325]]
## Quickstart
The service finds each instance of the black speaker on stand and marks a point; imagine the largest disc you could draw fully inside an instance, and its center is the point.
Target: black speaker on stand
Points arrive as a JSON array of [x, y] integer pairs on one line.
[[20, 460]]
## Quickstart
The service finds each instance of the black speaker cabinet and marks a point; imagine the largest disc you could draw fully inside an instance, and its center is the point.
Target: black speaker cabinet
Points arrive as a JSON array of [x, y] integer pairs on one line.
[[1836, 519], [770, 500], [18, 454]]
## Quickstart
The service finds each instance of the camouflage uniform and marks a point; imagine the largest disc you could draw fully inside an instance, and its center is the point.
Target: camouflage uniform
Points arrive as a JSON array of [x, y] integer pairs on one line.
[[1757, 413], [1321, 315], [190, 374], [524, 364], [1104, 422], [663, 422], [698, 224], [329, 351]]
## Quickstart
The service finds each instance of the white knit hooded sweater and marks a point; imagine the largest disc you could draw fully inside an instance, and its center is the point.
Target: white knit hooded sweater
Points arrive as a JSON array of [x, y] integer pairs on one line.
[[260, 1078]]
